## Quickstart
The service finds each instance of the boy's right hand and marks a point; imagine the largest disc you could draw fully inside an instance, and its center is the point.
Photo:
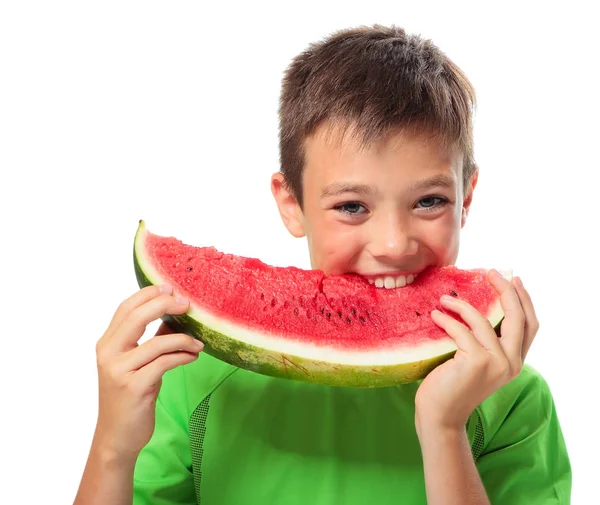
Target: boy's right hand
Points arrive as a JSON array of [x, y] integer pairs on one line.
[[130, 375]]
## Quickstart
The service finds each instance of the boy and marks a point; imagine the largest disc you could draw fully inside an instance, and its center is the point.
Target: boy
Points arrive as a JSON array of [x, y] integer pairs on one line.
[[377, 171]]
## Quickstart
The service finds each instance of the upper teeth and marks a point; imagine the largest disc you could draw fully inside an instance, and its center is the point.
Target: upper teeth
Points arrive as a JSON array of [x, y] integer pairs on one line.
[[390, 282]]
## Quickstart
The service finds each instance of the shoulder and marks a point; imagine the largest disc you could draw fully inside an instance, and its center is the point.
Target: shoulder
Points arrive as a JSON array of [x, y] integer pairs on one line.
[[526, 401], [528, 380], [518, 429], [528, 385]]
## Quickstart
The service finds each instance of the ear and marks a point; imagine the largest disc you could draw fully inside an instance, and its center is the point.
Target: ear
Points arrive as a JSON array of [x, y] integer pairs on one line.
[[469, 197], [289, 209]]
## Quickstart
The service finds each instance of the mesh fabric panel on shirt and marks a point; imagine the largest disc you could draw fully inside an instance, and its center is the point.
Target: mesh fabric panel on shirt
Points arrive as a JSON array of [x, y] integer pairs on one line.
[[197, 433], [478, 440]]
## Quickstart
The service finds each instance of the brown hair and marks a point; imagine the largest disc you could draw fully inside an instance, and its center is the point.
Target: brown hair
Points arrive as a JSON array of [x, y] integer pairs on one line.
[[372, 81]]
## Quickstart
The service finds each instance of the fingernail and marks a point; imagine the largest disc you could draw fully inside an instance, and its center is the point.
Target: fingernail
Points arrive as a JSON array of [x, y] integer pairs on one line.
[[447, 298], [198, 343], [183, 301], [166, 288], [506, 274]]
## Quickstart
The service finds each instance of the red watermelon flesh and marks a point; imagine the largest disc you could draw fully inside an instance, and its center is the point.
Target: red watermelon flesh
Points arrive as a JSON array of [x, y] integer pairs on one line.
[[301, 324]]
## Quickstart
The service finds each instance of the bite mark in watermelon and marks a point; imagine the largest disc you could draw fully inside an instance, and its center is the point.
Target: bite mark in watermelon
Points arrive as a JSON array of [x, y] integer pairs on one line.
[[300, 324]]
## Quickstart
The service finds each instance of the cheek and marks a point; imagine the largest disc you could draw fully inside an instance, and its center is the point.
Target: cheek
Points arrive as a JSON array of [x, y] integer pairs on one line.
[[334, 248], [443, 239]]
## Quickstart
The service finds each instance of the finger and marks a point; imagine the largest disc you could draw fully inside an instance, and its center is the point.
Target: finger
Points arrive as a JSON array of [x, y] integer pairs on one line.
[[531, 321], [463, 337], [139, 298], [132, 328], [512, 328], [156, 347], [479, 324], [152, 373]]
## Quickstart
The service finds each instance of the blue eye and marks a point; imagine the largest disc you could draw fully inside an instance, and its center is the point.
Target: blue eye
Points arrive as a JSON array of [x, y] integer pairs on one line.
[[429, 202], [351, 208]]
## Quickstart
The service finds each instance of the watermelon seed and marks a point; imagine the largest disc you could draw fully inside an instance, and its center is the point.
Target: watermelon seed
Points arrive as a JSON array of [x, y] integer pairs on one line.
[[348, 320], [453, 293], [340, 315], [286, 304], [353, 312], [361, 319], [273, 302], [189, 269], [328, 315], [322, 310], [417, 314], [262, 296], [296, 311]]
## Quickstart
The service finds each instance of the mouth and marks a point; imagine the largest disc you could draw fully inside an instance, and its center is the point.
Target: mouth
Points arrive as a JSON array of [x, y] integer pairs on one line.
[[391, 280]]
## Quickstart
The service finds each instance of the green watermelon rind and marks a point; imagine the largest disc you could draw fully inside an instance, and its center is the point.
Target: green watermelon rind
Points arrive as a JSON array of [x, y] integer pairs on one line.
[[285, 365]]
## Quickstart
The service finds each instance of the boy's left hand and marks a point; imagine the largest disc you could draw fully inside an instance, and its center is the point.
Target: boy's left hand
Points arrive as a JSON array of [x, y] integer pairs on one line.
[[483, 361]]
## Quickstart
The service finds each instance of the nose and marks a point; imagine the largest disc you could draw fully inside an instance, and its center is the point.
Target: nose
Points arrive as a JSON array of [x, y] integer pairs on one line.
[[391, 240]]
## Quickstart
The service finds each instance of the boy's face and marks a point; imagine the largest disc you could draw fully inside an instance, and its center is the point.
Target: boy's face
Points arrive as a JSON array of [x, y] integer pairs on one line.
[[385, 212]]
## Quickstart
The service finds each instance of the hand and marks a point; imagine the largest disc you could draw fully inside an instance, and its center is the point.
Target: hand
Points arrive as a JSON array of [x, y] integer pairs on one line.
[[130, 375], [483, 362]]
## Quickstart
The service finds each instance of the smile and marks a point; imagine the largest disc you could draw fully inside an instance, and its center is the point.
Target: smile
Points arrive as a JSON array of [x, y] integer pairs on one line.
[[391, 282]]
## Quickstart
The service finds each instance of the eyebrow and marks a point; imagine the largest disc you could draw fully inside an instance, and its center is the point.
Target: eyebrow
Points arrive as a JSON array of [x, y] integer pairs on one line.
[[440, 180], [339, 188]]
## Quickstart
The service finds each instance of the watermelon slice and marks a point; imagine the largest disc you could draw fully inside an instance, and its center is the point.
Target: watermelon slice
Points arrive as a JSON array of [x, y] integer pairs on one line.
[[303, 325]]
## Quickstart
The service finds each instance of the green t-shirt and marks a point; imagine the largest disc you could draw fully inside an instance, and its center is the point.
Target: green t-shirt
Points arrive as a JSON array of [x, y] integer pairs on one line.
[[226, 436]]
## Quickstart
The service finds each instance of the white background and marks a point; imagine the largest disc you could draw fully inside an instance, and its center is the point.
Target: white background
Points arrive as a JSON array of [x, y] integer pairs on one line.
[[115, 111]]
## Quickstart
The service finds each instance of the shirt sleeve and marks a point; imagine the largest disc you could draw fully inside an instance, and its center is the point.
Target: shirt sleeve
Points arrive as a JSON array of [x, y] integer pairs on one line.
[[524, 460], [163, 471]]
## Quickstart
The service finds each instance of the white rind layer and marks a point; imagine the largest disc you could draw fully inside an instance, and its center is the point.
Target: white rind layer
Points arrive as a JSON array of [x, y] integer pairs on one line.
[[398, 355], [327, 354]]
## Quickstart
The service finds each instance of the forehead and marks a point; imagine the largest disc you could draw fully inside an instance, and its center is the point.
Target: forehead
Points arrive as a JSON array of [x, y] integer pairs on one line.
[[335, 151]]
